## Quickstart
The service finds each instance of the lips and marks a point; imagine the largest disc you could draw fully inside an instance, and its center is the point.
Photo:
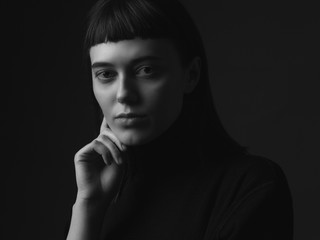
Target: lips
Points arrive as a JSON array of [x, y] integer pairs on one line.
[[129, 115], [131, 120]]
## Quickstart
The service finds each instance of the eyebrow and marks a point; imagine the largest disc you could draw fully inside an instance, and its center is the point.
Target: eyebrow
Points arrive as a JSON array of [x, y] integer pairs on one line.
[[134, 61]]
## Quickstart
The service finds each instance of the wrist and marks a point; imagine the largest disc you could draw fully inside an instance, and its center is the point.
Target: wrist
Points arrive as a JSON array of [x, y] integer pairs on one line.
[[91, 205], [87, 219], [91, 200]]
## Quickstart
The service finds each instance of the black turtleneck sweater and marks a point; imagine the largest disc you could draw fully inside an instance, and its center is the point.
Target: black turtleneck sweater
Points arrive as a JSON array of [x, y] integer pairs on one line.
[[184, 187], [177, 190]]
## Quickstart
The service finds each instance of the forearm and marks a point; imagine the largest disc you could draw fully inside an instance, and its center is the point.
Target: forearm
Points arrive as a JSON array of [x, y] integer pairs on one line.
[[86, 220]]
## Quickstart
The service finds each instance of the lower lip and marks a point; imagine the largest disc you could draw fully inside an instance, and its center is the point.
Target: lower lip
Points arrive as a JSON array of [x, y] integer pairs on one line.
[[131, 121]]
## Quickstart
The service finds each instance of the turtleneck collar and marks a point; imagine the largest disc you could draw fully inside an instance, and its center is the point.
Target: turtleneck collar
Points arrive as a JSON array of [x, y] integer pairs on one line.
[[171, 153]]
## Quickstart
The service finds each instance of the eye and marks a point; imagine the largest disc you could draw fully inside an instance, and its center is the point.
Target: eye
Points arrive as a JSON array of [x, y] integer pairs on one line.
[[105, 75], [145, 71]]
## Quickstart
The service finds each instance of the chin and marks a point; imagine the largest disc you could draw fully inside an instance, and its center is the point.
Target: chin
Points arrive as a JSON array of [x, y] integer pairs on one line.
[[134, 138]]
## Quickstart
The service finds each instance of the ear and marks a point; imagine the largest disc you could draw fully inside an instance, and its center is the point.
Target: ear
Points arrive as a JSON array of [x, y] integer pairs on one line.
[[192, 75]]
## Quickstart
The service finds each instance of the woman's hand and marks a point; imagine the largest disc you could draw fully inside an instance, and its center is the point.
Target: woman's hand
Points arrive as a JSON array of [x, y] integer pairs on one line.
[[99, 171], [99, 167]]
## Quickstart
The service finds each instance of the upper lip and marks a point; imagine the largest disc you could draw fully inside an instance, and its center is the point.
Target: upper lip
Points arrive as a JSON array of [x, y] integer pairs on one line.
[[129, 115]]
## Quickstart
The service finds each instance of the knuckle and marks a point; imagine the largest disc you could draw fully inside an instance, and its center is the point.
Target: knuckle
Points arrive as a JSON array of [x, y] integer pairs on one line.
[[111, 146], [79, 153], [111, 138], [96, 141], [105, 137], [76, 157], [105, 134]]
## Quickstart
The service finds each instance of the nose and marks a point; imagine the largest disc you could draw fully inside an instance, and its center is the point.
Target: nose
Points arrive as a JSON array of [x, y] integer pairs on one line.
[[127, 90]]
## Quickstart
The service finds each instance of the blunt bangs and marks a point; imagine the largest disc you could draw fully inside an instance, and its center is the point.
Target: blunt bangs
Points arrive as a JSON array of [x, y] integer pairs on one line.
[[116, 20]]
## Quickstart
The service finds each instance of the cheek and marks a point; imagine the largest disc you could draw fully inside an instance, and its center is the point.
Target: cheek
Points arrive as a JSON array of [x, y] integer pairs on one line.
[[168, 100], [104, 99]]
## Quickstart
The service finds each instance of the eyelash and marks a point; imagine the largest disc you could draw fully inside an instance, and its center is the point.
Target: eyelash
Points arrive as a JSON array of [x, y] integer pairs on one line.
[[99, 74], [147, 74]]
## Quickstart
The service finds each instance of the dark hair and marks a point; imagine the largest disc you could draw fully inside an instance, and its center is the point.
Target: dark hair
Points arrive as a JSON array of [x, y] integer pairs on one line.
[[116, 20]]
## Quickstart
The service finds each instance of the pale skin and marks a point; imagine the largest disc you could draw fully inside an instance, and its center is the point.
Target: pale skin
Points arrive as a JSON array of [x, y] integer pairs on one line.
[[97, 183], [136, 76], [95, 180]]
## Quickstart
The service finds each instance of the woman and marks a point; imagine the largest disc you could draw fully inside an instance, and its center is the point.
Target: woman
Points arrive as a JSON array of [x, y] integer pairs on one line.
[[162, 166]]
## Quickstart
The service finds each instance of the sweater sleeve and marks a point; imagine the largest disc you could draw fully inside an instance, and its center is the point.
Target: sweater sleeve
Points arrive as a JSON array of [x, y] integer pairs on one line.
[[265, 213]]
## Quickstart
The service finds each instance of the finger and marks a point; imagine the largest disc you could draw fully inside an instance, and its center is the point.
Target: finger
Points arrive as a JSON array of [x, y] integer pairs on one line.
[[115, 152], [116, 141], [104, 151], [107, 158], [91, 151], [85, 153], [104, 125]]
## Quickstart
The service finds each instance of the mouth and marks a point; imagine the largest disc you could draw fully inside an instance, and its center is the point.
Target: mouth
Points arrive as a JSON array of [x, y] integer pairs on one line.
[[131, 120], [129, 116]]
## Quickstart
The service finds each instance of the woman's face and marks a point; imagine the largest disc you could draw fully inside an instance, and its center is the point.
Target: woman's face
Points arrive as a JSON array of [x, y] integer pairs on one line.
[[139, 85]]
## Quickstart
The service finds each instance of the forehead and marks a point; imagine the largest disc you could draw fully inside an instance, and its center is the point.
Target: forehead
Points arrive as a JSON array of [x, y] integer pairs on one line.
[[129, 50]]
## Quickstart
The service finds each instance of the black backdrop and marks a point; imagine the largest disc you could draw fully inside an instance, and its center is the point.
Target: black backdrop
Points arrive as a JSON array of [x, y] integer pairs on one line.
[[264, 65]]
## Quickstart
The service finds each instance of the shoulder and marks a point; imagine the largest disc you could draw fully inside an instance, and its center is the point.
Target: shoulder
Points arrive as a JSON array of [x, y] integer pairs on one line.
[[250, 192], [251, 167], [240, 176]]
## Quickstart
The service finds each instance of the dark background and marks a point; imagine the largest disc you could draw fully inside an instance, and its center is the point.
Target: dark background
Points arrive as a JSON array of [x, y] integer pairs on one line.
[[264, 65]]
